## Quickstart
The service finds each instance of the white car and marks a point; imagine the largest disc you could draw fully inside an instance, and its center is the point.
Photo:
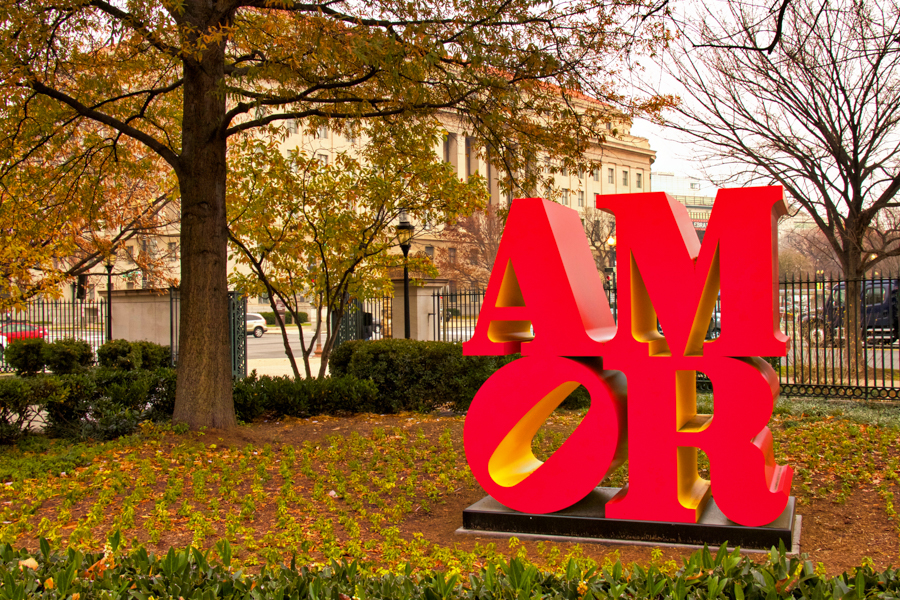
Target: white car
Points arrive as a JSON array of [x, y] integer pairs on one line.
[[256, 324]]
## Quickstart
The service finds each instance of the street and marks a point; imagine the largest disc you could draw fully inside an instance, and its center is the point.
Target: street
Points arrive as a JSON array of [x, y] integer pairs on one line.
[[271, 344]]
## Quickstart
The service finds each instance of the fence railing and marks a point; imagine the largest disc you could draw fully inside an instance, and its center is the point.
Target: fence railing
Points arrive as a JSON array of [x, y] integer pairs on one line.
[[237, 333], [830, 354], [54, 320], [367, 320]]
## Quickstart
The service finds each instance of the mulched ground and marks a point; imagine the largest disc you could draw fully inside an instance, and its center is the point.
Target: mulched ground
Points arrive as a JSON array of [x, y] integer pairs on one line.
[[838, 535]]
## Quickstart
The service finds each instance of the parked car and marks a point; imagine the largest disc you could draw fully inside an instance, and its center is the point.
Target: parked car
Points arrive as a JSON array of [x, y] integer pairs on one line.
[[878, 313], [256, 324], [17, 330]]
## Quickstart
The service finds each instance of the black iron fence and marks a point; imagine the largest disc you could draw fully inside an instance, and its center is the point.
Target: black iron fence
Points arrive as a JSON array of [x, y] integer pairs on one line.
[[845, 334], [237, 332], [366, 320], [54, 320]]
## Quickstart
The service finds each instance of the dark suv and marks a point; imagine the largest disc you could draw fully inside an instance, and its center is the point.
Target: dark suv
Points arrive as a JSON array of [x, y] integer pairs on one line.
[[878, 313]]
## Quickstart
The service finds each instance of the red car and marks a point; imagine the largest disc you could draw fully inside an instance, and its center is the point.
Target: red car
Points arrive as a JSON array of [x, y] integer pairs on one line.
[[10, 332]]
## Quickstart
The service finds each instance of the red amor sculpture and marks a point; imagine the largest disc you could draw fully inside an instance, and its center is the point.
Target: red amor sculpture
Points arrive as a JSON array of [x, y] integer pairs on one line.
[[545, 300]]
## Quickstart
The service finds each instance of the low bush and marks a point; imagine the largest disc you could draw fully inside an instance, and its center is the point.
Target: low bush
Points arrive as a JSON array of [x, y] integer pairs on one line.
[[270, 318], [68, 355], [286, 396], [26, 356], [128, 356], [17, 413], [105, 403], [191, 574], [421, 376]]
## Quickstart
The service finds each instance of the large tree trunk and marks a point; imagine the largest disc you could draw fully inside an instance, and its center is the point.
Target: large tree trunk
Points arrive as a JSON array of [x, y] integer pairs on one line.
[[203, 396]]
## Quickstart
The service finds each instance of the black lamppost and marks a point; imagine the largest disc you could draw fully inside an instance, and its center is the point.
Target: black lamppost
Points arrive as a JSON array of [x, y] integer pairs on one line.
[[404, 235], [109, 267]]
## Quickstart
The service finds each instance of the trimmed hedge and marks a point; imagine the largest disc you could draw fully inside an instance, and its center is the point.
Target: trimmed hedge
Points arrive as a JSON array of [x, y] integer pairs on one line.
[[286, 396], [192, 575], [26, 356], [68, 356], [422, 376], [29, 356], [104, 403], [125, 355], [288, 318], [98, 404]]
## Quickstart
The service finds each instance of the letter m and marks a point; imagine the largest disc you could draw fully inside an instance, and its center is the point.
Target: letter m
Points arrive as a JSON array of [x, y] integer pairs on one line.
[[664, 273]]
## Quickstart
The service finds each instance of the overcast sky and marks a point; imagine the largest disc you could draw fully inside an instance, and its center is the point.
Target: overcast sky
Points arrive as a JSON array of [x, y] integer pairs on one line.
[[672, 156]]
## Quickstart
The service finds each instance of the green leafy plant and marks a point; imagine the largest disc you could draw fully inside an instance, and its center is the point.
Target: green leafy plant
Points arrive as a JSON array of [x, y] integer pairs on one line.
[[128, 356], [26, 356], [68, 355], [421, 376]]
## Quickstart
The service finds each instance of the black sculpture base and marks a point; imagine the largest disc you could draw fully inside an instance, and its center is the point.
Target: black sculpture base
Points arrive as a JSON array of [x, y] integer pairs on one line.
[[587, 519]]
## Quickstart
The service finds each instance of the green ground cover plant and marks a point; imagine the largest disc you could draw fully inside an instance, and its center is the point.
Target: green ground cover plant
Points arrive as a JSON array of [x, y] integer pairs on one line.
[[193, 575], [346, 495]]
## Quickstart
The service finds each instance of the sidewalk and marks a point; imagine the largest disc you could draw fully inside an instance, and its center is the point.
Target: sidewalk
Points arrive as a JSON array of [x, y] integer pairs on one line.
[[277, 367]]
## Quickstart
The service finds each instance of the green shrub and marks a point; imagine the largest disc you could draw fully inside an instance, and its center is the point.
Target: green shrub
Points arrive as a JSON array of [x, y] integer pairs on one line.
[[125, 355], [17, 410], [153, 356], [118, 354], [339, 361], [26, 356], [421, 376], [286, 396], [270, 318], [105, 403], [68, 355]]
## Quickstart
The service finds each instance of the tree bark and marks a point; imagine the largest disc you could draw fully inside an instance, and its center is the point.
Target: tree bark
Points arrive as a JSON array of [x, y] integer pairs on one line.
[[203, 397]]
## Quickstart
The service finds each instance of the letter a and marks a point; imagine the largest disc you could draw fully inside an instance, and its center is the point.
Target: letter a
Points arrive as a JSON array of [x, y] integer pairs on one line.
[[544, 277]]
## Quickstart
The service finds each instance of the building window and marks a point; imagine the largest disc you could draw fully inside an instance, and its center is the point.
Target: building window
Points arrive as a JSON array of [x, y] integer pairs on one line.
[[322, 158], [637, 179], [580, 173], [564, 171], [625, 178], [580, 199], [291, 126], [429, 251], [611, 176], [451, 255], [695, 186], [322, 132], [565, 196], [596, 173], [471, 165]]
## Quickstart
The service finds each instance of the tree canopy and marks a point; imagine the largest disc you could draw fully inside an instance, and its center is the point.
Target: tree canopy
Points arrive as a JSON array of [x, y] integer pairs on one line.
[[323, 232], [181, 78]]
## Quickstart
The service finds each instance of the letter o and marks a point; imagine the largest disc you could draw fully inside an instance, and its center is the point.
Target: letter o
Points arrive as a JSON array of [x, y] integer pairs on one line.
[[510, 408]]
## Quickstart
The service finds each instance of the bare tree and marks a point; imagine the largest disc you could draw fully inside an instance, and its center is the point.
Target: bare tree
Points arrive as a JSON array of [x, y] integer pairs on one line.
[[600, 229], [472, 247], [817, 115]]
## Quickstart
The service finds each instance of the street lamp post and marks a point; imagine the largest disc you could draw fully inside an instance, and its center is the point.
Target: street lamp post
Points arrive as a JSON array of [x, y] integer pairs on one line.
[[404, 235], [109, 267]]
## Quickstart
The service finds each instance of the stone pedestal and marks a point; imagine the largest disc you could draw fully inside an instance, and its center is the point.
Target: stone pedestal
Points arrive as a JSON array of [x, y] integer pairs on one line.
[[421, 308], [586, 520]]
